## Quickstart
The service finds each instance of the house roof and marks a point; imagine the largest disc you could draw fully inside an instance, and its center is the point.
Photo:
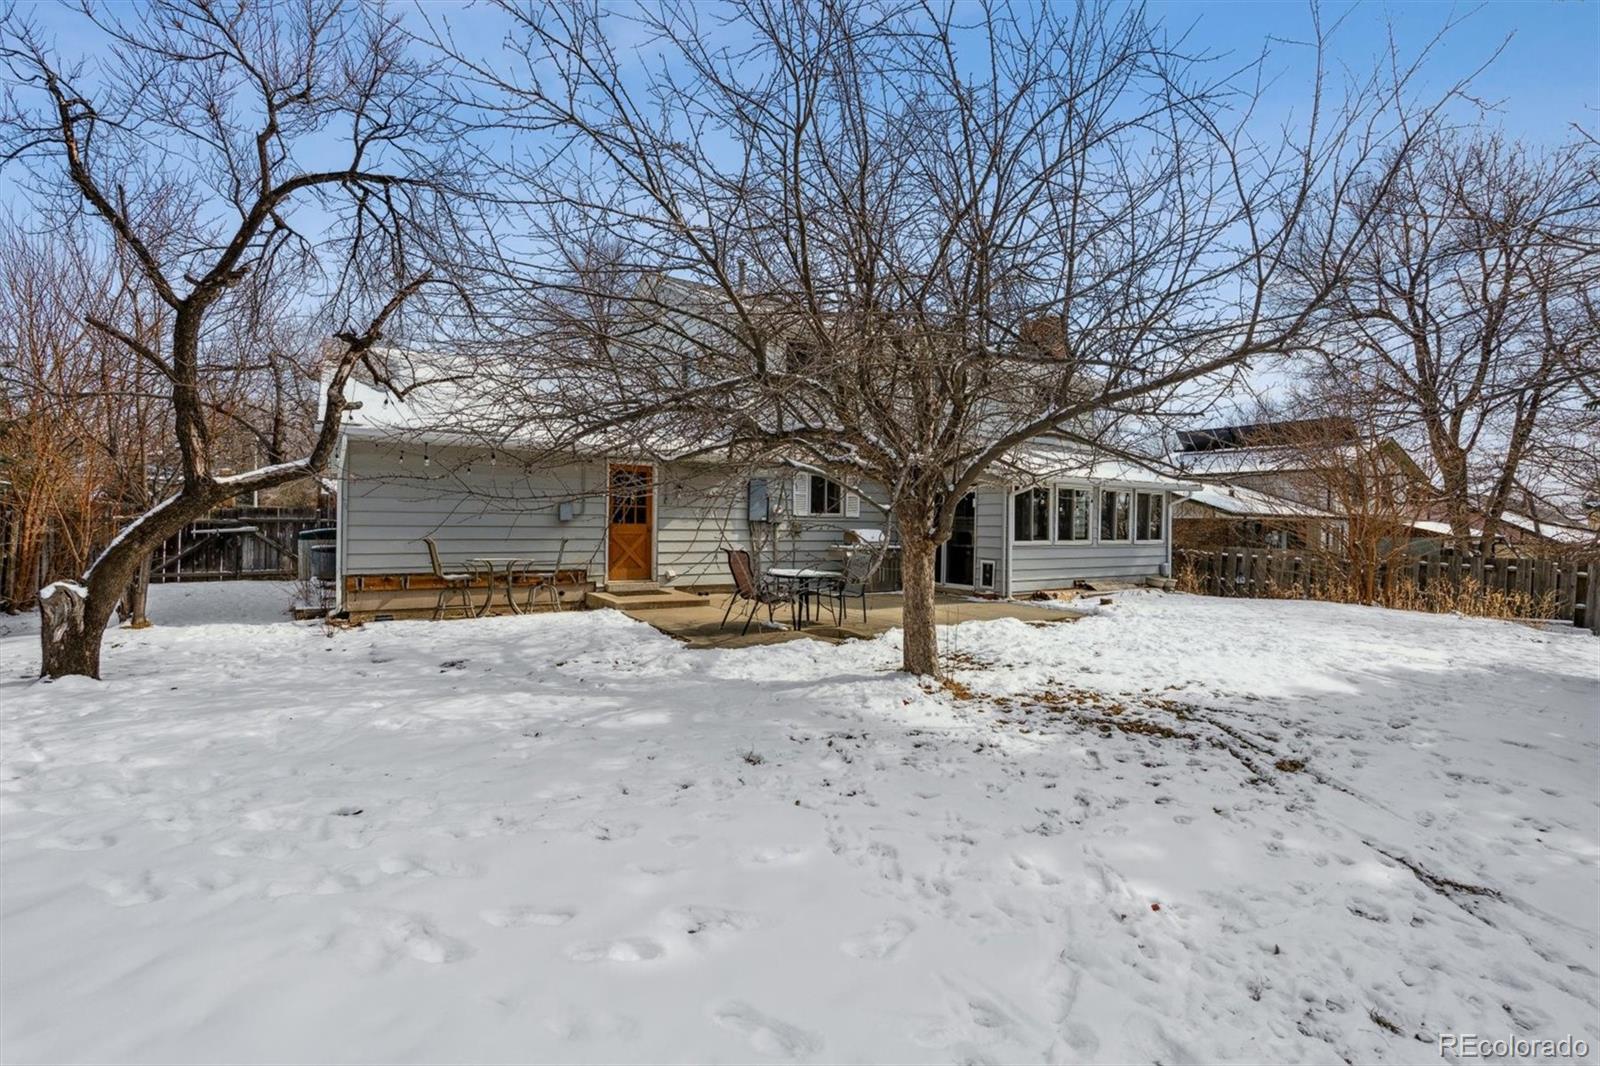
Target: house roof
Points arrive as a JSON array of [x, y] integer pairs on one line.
[[1562, 532], [473, 409], [1223, 462], [1251, 503], [1053, 460], [1264, 434], [1439, 529], [1274, 459]]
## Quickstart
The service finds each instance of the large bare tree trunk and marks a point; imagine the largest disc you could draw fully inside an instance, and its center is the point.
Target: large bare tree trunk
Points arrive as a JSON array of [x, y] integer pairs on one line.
[[921, 644], [72, 631], [69, 636]]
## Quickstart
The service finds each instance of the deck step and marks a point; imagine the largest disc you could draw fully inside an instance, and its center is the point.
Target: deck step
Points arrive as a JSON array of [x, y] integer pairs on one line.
[[644, 599]]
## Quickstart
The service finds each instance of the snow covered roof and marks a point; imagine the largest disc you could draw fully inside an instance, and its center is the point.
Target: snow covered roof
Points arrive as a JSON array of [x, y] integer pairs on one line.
[[1223, 462], [1052, 460], [1565, 532], [1261, 460], [475, 409], [1244, 502], [1439, 529]]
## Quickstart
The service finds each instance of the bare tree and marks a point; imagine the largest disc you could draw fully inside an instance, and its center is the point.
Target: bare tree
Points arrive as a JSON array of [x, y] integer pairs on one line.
[[1468, 310], [211, 144], [900, 242]]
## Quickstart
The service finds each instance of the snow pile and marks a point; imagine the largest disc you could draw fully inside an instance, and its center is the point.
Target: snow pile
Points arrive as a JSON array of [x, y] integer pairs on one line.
[[1184, 829]]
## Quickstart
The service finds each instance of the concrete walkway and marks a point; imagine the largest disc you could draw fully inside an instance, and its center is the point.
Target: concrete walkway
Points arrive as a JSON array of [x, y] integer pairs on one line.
[[698, 626]]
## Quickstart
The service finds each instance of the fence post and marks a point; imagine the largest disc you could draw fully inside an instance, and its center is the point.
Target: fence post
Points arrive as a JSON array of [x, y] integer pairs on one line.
[[1591, 601]]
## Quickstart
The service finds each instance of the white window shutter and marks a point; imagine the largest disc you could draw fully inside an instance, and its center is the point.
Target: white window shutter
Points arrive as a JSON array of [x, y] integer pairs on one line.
[[852, 505], [802, 493]]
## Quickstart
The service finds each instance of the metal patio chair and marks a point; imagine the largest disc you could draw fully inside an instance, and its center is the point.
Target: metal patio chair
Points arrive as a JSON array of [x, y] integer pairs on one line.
[[852, 584], [747, 589], [449, 585], [550, 584]]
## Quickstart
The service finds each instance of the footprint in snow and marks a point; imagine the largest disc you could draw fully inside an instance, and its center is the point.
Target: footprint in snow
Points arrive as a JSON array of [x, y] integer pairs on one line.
[[779, 855], [520, 917], [376, 939], [696, 920], [412, 866], [765, 1034], [628, 949], [574, 1023], [127, 891], [75, 842], [881, 941]]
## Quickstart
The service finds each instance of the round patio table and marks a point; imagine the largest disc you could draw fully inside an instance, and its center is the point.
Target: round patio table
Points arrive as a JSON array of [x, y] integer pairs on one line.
[[806, 581], [486, 565]]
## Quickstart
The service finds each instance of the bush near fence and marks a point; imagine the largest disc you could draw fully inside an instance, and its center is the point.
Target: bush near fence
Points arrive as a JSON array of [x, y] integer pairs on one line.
[[1563, 589]]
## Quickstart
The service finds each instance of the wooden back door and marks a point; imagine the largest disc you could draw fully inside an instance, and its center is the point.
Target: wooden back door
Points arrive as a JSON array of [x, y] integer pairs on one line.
[[630, 524]]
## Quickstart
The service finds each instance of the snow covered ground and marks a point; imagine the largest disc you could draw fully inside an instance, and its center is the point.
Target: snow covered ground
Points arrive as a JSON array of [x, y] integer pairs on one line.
[[1185, 829]]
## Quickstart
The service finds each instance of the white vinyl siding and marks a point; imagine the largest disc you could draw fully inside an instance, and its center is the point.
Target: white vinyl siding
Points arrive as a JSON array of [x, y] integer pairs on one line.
[[474, 507], [471, 505], [701, 512], [1028, 566], [803, 536]]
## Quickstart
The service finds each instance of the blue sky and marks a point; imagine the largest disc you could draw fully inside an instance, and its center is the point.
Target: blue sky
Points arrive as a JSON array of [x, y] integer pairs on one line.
[[1547, 78]]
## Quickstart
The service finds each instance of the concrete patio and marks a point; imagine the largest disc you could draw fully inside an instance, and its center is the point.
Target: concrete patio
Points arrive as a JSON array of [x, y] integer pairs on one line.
[[699, 626]]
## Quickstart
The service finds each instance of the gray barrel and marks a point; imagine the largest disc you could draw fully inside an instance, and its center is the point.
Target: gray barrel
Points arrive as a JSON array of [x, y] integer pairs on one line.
[[305, 541]]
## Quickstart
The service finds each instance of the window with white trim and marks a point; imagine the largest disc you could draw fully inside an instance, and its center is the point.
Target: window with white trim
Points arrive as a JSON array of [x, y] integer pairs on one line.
[[1031, 515], [1072, 514], [827, 496], [1147, 519], [815, 494], [1116, 519]]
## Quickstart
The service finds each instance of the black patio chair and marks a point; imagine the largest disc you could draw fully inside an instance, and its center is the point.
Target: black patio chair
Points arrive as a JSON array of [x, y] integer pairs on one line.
[[748, 590], [850, 585]]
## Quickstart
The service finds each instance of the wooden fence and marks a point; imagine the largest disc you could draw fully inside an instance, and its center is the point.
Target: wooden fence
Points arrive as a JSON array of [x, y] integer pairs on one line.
[[237, 543], [1567, 589]]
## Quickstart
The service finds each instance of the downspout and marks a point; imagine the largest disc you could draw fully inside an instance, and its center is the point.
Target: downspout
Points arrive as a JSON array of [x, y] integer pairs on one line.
[[1166, 533], [340, 526]]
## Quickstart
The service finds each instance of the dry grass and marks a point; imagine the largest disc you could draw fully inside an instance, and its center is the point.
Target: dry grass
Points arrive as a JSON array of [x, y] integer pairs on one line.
[[1468, 597]]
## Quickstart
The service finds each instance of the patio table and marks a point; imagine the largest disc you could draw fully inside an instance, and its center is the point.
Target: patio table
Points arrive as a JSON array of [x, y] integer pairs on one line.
[[486, 565], [806, 581]]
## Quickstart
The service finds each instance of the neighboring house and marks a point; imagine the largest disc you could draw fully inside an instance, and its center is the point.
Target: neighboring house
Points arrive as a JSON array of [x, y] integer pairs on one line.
[[1324, 463], [1548, 534], [620, 514], [1360, 493], [1430, 535], [1222, 514]]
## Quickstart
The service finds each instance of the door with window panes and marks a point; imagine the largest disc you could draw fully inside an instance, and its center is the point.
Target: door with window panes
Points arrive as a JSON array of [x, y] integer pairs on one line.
[[630, 514]]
